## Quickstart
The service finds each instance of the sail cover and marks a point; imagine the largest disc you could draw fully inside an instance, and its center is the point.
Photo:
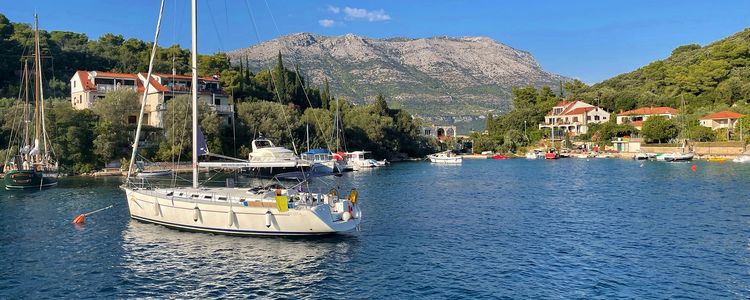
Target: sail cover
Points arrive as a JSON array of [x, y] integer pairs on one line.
[[202, 146]]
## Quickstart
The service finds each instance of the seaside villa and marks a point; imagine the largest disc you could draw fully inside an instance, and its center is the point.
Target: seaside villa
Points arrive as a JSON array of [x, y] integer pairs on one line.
[[573, 117], [637, 116], [723, 119], [86, 87]]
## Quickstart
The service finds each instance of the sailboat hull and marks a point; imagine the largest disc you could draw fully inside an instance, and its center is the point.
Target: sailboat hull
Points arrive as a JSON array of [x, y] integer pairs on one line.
[[28, 180], [227, 215]]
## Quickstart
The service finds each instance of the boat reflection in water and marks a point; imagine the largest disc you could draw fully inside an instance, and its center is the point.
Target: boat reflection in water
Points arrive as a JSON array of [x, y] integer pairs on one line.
[[199, 265]]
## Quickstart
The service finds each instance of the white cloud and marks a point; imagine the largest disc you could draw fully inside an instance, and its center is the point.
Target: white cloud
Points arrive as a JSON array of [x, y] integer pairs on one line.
[[326, 22], [334, 9], [369, 15]]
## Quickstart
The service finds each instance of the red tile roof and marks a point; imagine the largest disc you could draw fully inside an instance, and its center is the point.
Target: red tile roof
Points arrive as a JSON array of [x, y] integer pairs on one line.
[[152, 82], [113, 75], [723, 115], [662, 110], [85, 81], [578, 111]]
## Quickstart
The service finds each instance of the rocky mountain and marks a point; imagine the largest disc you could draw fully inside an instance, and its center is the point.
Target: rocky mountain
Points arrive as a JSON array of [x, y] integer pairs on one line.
[[431, 76]]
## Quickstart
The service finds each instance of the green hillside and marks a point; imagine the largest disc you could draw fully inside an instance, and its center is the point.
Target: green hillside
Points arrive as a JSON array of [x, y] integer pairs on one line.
[[714, 75]]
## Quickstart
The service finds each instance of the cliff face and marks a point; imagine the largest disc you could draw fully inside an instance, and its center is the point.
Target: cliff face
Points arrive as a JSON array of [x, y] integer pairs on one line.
[[438, 76]]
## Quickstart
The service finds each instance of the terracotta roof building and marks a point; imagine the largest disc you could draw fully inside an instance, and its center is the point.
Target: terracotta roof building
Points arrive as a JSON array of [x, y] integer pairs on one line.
[[722, 119], [637, 116], [573, 117], [86, 87]]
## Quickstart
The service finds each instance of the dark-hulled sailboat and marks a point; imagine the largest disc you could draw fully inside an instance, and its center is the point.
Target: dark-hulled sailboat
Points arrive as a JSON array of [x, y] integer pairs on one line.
[[28, 163]]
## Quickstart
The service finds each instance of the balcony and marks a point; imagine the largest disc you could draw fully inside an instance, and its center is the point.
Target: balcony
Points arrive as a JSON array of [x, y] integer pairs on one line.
[[104, 88], [223, 109]]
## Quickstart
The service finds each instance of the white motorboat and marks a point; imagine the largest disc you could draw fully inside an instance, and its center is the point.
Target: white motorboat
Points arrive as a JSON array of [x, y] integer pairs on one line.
[[445, 158], [674, 157], [142, 172], [154, 173], [265, 151], [745, 158], [321, 161], [273, 210], [535, 154], [358, 160]]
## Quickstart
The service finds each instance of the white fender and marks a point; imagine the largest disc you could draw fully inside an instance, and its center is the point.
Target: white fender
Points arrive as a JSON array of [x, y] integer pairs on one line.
[[157, 209], [346, 216], [269, 215], [231, 218]]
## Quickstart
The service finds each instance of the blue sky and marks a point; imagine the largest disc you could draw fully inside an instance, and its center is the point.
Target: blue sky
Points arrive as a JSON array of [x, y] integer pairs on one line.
[[589, 40]]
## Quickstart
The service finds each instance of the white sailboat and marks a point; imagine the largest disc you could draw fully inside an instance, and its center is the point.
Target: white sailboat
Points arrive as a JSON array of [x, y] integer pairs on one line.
[[270, 210]]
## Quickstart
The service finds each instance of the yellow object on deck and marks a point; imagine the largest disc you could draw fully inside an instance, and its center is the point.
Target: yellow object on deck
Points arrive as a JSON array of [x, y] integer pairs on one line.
[[282, 204]]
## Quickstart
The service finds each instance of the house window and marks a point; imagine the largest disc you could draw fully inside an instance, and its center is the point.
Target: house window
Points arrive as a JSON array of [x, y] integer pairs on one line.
[[588, 118], [132, 119], [575, 119], [99, 81], [217, 101], [74, 83], [596, 118]]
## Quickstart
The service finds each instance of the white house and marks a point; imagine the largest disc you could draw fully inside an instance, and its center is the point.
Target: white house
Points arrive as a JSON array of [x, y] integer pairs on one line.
[[573, 117], [723, 119], [637, 116], [88, 86]]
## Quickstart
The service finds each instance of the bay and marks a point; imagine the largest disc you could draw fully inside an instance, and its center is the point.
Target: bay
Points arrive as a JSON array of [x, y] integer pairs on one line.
[[570, 228]]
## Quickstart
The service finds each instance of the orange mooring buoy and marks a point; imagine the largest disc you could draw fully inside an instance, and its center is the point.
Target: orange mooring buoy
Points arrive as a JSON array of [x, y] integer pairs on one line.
[[82, 217], [79, 219], [694, 168]]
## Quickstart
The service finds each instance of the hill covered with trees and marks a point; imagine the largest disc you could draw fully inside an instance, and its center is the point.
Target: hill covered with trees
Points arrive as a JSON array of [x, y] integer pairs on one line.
[[276, 102], [696, 79]]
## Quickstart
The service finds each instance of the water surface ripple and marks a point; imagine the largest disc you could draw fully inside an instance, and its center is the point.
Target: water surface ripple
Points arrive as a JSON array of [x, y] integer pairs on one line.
[[486, 229]]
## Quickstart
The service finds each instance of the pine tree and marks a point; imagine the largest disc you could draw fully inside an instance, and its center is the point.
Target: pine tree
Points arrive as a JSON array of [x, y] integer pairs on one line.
[[325, 95]]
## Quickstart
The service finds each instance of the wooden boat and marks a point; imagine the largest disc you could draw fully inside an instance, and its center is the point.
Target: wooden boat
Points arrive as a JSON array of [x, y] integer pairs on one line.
[[33, 167]]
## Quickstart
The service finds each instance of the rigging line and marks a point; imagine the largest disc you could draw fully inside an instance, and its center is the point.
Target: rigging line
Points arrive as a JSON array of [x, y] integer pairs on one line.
[[146, 86], [45, 135], [216, 28], [13, 125], [304, 90], [276, 88]]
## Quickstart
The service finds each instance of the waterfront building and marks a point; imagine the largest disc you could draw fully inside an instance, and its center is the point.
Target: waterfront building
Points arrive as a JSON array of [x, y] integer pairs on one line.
[[573, 118], [722, 119], [637, 116], [440, 132], [86, 87]]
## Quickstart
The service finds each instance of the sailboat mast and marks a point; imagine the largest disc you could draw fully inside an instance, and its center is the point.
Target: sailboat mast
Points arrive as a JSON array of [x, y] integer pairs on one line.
[[337, 124], [37, 71], [194, 66], [26, 108]]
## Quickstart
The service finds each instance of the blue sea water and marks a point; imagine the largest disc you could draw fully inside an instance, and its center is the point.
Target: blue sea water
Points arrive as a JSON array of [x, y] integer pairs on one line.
[[565, 229]]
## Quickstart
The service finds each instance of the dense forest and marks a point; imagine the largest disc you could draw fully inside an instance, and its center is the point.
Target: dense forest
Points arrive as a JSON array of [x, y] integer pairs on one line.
[[697, 80], [275, 102]]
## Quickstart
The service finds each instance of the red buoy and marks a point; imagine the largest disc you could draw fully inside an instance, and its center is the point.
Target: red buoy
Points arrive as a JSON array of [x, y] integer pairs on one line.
[[694, 168], [79, 219]]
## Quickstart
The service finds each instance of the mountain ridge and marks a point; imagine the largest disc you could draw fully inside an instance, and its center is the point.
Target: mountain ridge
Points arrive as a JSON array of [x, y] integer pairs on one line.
[[438, 75]]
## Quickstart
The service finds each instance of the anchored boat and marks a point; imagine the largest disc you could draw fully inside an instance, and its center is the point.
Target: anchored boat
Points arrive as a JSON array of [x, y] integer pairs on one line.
[[446, 157], [268, 210], [33, 167]]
